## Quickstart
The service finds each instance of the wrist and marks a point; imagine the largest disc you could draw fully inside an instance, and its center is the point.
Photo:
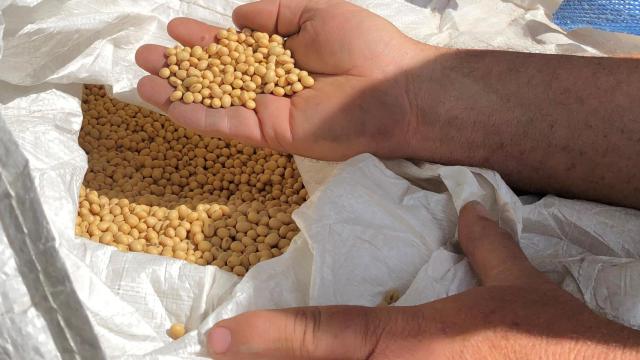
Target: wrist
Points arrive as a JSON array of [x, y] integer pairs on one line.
[[424, 92], [456, 110]]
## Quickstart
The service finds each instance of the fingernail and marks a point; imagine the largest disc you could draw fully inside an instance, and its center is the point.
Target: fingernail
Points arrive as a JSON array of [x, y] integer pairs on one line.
[[480, 209], [219, 339]]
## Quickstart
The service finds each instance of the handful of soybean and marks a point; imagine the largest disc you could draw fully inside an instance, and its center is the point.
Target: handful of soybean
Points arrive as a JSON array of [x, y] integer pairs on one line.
[[233, 70]]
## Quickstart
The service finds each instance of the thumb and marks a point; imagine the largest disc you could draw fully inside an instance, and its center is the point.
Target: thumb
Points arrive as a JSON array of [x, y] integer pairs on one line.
[[331, 332], [272, 16], [492, 251]]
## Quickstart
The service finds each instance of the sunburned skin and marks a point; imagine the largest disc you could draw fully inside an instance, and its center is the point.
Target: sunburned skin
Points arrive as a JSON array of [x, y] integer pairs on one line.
[[558, 124]]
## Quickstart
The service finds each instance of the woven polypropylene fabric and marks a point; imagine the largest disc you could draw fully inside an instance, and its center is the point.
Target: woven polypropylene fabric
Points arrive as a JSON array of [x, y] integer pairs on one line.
[[609, 15]]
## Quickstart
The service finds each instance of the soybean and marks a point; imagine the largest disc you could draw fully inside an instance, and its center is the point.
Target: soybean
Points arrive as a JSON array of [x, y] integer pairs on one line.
[[155, 187], [248, 60]]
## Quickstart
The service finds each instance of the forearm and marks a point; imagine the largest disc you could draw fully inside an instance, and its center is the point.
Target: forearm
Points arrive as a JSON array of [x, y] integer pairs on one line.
[[547, 123], [593, 340], [610, 341], [581, 336]]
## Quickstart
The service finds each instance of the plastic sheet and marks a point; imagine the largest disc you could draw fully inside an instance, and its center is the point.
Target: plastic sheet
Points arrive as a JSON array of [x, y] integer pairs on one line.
[[368, 227]]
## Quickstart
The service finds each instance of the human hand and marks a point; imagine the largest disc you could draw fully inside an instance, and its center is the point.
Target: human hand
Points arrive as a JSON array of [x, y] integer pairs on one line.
[[517, 313], [350, 110]]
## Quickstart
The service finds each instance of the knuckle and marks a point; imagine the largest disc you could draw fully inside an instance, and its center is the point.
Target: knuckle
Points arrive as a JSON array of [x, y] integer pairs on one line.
[[306, 330], [374, 329], [392, 327]]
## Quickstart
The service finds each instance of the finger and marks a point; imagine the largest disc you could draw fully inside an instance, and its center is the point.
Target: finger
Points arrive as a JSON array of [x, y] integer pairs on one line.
[[345, 332], [235, 122], [272, 16], [275, 125], [155, 91], [492, 252], [293, 19], [190, 32], [151, 58], [267, 126]]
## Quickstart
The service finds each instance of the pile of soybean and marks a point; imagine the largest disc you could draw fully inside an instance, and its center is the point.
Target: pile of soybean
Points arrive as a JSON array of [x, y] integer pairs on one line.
[[155, 187], [233, 70]]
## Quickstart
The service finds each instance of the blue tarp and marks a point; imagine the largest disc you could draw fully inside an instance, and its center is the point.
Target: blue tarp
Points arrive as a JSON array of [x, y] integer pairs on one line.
[[608, 15]]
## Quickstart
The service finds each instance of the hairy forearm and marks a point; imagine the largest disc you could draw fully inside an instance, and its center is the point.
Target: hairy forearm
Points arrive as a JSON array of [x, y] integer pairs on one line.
[[582, 335], [547, 123]]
